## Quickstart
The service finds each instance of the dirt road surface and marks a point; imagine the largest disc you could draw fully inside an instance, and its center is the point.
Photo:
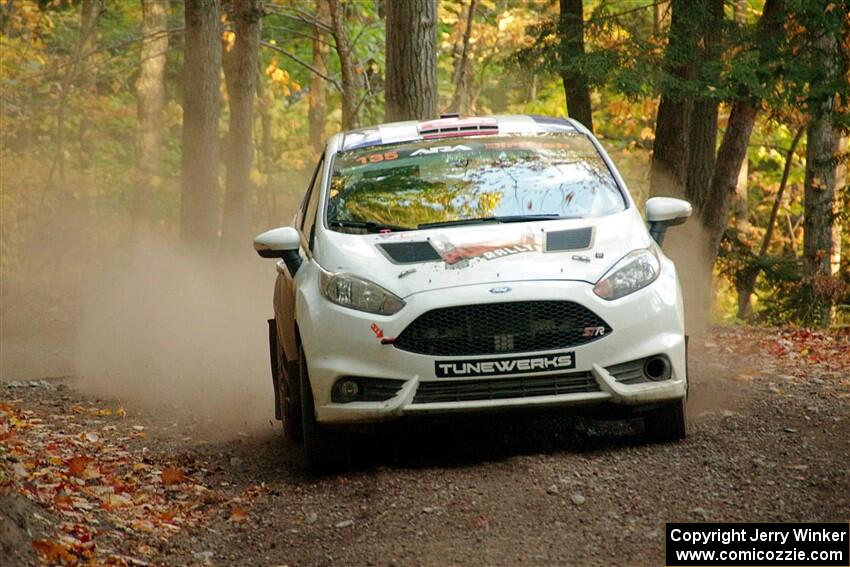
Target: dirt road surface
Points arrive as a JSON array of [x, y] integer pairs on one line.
[[86, 478]]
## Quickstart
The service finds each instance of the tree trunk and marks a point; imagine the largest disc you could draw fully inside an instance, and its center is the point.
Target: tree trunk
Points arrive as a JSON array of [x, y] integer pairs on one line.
[[819, 200], [317, 97], [668, 171], [87, 28], [660, 17], [201, 101], [702, 135], [150, 99], [571, 32], [733, 146], [740, 202], [240, 75], [460, 98], [350, 81], [702, 145], [411, 60], [89, 13], [724, 181], [823, 140], [266, 102]]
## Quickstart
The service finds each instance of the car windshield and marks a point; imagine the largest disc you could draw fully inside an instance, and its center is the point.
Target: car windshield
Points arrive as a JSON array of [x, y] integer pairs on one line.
[[468, 180]]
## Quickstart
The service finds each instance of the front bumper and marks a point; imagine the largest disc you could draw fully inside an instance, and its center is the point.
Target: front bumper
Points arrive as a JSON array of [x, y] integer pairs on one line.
[[341, 342]]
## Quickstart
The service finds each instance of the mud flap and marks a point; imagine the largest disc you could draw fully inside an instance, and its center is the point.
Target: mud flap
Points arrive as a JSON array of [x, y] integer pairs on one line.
[[687, 366], [273, 361]]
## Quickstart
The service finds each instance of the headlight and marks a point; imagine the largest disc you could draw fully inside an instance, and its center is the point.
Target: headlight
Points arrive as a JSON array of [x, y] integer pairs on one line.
[[356, 293], [634, 271]]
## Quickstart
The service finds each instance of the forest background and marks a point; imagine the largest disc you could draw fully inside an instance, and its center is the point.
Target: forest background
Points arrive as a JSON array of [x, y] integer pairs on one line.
[[144, 143]]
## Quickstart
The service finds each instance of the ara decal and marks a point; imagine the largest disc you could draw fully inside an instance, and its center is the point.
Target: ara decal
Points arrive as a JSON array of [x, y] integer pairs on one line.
[[440, 150], [379, 332]]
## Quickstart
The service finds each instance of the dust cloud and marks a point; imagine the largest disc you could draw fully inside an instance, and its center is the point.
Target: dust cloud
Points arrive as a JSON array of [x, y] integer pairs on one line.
[[163, 328], [147, 325], [686, 246]]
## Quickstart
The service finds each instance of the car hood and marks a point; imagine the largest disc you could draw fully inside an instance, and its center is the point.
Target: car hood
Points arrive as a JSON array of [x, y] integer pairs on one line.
[[411, 262]]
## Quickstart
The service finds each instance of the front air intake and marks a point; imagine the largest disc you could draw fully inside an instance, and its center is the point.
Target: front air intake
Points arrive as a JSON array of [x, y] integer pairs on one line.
[[501, 328]]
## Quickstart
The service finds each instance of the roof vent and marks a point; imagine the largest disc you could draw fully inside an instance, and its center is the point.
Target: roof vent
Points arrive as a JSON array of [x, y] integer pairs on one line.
[[450, 115]]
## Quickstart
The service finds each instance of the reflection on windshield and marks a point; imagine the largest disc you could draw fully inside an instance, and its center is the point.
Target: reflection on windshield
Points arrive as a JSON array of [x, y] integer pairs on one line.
[[439, 181]]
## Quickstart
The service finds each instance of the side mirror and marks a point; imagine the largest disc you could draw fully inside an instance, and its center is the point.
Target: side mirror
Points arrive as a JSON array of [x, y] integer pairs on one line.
[[664, 212], [284, 243]]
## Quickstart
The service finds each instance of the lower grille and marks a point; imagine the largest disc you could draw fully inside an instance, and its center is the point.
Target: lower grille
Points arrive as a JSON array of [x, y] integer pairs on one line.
[[629, 372], [504, 388], [501, 328]]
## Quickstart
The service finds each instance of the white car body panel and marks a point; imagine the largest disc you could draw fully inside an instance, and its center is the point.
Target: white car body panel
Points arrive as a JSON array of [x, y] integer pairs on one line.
[[339, 341]]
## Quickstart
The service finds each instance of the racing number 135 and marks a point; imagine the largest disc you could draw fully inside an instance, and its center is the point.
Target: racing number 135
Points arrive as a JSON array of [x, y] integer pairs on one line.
[[377, 158]]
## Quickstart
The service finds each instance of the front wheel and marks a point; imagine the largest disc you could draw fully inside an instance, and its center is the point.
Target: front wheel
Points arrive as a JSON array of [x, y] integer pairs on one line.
[[667, 423], [325, 450]]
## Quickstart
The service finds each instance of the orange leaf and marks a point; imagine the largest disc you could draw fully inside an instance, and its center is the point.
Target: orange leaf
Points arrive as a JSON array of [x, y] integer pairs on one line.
[[238, 514], [172, 476], [52, 551], [77, 465], [168, 515], [62, 501]]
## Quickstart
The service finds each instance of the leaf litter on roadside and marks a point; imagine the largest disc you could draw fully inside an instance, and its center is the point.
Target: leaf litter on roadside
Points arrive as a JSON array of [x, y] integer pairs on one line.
[[116, 506]]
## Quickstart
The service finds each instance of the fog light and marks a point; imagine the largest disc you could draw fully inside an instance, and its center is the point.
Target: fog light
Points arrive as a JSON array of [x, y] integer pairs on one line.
[[657, 368], [345, 390]]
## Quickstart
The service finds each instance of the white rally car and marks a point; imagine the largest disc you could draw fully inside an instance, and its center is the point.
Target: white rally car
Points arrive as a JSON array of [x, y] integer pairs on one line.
[[467, 264]]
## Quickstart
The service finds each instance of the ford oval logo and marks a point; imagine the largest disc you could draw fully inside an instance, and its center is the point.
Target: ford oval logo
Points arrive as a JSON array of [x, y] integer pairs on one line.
[[503, 289]]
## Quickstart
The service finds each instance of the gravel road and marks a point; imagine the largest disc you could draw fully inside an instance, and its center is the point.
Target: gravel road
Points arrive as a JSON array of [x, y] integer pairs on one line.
[[770, 441]]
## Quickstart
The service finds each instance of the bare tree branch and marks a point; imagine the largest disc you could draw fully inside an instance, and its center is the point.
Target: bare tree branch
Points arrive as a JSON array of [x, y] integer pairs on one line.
[[302, 16], [299, 34], [300, 61]]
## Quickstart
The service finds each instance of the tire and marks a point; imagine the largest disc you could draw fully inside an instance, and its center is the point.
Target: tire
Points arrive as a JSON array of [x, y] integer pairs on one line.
[[325, 450], [667, 423], [290, 399]]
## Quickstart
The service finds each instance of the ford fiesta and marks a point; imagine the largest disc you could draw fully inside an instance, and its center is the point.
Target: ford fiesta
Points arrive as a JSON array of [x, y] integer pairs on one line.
[[468, 264]]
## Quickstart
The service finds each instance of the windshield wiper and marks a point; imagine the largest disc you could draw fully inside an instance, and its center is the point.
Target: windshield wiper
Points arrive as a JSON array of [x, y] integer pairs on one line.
[[368, 225], [500, 219]]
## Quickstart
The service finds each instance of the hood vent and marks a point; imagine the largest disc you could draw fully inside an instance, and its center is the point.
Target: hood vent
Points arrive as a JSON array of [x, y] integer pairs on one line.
[[409, 252], [574, 239]]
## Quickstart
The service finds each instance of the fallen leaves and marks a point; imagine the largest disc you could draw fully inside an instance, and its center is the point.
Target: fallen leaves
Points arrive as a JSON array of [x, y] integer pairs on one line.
[[172, 476], [238, 514], [785, 351], [54, 552], [88, 469], [77, 466]]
